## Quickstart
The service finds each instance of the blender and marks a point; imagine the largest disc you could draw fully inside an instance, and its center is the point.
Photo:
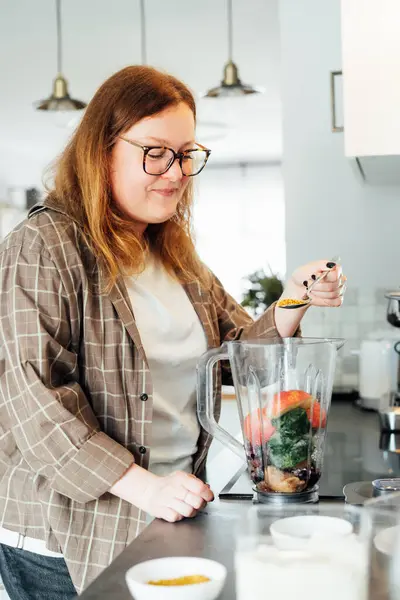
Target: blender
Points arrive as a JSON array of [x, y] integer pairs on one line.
[[283, 390]]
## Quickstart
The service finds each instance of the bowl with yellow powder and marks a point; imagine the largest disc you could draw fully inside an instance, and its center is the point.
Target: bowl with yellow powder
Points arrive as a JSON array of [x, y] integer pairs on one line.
[[176, 578]]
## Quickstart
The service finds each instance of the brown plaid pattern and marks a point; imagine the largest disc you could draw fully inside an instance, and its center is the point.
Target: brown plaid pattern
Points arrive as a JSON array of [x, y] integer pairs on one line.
[[73, 374]]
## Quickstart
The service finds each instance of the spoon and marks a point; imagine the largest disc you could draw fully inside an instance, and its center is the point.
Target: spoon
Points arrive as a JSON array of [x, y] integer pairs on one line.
[[306, 300]]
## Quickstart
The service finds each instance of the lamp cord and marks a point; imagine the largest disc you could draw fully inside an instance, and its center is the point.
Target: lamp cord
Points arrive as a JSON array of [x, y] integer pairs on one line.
[[143, 33], [230, 34], [59, 37]]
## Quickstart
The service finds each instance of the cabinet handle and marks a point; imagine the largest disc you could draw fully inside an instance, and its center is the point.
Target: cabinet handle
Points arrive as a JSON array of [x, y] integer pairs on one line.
[[335, 127]]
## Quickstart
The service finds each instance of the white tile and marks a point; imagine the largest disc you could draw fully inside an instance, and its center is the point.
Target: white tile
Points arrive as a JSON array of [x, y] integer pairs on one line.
[[350, 314], [307, 328], [313, 315], [350, 365], [351, 347], [335, 315], [312, 330], [367, 295], [364, 329], [367, 314], [351, 296], [349, 331], [337, 380], [332, 330], [350, 379], [383, 326], [380, 295], [380, 313]]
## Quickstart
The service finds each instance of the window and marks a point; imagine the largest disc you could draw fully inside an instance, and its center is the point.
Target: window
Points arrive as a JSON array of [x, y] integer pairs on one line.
[[239, 222]]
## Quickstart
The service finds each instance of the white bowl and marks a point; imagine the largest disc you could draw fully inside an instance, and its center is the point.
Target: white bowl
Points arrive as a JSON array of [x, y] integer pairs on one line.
[[294, 533], [170, 568], [385, 540]]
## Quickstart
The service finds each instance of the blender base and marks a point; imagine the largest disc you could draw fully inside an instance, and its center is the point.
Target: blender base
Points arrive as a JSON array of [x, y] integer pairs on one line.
[[309, 496]]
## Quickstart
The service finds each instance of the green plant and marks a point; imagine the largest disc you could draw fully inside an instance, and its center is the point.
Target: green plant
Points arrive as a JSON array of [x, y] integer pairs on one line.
[[262, 291]]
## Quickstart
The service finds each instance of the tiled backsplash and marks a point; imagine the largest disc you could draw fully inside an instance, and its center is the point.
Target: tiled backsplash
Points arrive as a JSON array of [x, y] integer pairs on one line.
[[353, 322]]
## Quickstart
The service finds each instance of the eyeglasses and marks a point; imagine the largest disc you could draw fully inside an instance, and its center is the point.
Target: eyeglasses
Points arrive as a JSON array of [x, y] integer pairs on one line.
[[158, 159]]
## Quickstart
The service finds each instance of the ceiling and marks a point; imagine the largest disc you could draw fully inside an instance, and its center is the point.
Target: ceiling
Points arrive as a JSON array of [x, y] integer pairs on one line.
[[188, 39]]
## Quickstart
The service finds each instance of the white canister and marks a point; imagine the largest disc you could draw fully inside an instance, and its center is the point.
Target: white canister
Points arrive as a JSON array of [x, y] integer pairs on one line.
[[378, 371]]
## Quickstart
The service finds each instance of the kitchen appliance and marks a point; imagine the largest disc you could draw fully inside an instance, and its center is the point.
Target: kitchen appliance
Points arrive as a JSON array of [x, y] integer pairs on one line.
[[379, 369], [379, 373], [283, 391], [389, 442], [389, 417]]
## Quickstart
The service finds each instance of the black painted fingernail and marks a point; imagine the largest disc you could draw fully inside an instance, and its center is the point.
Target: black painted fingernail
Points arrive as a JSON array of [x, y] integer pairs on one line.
[[330, 265], [305, 283], [313, 277]]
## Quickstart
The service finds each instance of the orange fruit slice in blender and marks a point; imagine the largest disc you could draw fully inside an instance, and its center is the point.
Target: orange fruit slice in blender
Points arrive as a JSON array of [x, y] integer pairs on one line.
[[282, 402]]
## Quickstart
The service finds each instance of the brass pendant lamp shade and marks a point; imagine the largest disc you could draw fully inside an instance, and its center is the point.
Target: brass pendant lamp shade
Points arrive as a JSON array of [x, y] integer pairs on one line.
[[60, 100], [231, 84]]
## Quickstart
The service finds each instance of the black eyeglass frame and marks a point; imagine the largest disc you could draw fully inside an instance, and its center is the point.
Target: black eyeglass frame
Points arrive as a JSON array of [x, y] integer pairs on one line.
[[176, 155]]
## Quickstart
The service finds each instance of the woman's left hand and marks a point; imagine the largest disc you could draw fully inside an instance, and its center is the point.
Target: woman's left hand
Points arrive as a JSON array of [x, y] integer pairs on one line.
[[328, 293]]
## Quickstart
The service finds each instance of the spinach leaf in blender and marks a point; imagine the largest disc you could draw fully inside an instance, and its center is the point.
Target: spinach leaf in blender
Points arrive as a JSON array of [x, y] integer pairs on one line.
[[293, 424], [287, 453]]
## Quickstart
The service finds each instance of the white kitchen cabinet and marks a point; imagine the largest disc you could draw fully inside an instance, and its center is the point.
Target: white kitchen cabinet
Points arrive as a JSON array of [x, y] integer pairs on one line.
[[371, 77]]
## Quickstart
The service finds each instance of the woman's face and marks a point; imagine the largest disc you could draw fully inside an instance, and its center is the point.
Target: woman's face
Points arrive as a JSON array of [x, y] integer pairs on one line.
[[151, 198]]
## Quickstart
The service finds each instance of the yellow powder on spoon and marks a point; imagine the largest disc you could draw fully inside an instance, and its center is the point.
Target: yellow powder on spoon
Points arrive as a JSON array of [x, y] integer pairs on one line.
[[290, 302]]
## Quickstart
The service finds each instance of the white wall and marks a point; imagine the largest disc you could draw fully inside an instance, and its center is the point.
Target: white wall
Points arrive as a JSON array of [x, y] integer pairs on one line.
[[239, 220], [328, 210]]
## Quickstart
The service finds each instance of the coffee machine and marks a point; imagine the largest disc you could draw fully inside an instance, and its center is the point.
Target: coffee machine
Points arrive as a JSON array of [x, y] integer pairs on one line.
[[379, 374], [393, 317]]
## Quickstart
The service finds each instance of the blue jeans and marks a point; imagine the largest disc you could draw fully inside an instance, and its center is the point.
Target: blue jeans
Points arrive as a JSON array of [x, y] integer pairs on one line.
[[30, 576]]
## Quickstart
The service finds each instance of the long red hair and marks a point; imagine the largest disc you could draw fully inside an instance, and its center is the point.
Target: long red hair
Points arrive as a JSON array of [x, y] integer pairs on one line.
[[82, 185]]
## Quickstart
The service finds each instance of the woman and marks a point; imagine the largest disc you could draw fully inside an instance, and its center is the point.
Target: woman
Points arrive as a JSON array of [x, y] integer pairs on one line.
[[105, 310]]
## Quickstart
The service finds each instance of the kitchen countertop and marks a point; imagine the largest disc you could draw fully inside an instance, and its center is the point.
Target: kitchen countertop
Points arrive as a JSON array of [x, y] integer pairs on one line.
[[210, 535], [352, 454]]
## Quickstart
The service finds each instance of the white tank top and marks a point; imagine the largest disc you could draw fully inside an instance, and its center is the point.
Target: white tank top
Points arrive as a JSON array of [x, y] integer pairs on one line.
[[173, 340]]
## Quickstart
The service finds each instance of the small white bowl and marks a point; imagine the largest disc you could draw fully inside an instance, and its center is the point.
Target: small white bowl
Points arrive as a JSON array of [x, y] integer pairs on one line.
[[385, 540], [171, 568], [294, 533]]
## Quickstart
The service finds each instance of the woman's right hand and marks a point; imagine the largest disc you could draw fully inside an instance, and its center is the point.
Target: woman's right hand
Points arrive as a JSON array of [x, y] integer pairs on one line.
[[176, 496], [171, 497]]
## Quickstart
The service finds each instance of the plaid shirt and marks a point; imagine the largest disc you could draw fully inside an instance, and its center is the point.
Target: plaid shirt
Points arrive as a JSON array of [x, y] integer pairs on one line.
[[76, 391]]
